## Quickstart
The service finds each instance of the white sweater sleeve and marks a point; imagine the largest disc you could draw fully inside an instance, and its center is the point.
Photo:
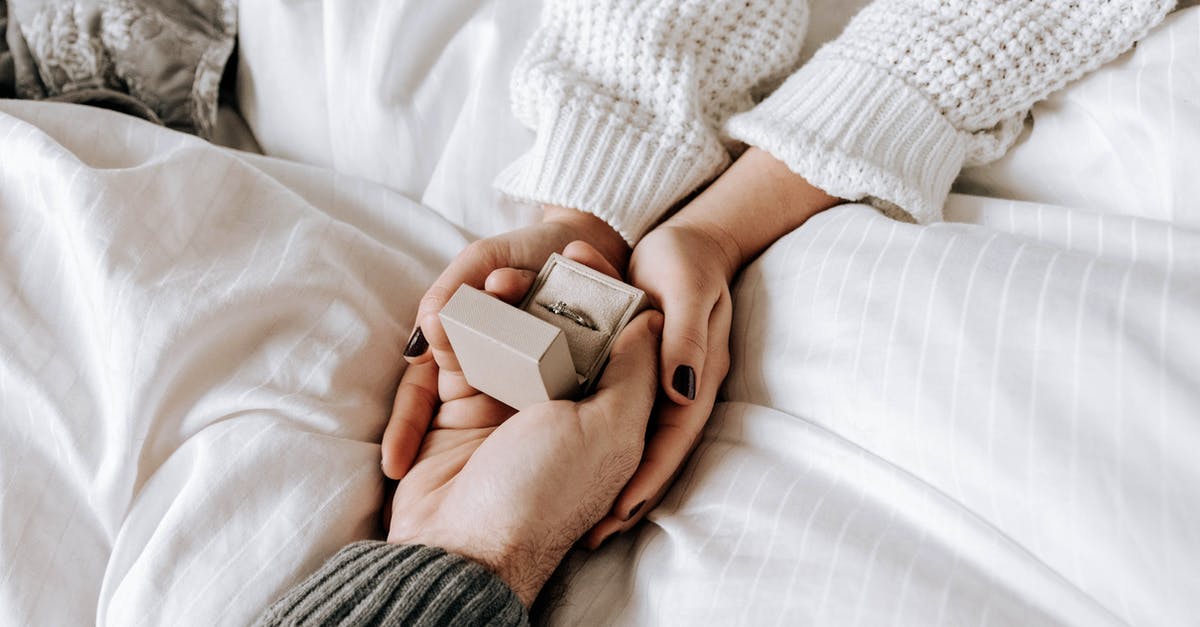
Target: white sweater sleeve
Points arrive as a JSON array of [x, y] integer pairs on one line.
[[628, 99], [634, 103], [914, 90]]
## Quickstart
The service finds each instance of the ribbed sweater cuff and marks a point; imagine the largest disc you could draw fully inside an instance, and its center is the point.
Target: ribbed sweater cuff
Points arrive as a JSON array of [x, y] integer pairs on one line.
[[593, 160], [857, 132], [376, 583]]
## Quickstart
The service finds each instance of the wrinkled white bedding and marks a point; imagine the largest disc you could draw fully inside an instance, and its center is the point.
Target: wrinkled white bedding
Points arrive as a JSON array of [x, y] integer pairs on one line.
[[992, 420], [984, 423], [197, 352]]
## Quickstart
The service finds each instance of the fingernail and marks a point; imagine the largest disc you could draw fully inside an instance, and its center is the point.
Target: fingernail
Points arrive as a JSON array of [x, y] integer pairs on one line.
[[416, 344], [684, 382], [633, 512]]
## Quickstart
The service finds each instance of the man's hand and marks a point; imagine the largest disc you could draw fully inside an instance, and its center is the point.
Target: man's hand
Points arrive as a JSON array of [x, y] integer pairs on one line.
[[524, 250], [515, 491]]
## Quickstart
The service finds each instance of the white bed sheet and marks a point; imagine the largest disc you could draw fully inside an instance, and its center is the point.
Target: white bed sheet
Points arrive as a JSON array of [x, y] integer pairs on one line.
[[988, 421], [197, 353]]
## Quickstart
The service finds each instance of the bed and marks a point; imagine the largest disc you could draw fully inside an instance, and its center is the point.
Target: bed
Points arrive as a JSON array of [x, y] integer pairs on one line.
[[988, 421]]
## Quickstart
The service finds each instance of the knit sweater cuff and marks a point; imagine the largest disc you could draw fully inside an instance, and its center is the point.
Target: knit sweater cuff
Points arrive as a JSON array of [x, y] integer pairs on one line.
[[621, 170], [376, 583], [857, 132]]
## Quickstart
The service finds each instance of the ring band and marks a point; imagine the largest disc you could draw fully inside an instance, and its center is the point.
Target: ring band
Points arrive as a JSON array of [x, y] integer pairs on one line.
[[560, 309]]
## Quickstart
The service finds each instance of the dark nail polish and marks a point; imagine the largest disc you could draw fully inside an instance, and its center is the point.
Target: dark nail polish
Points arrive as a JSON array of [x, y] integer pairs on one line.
[[633, 512], [684, 382], [417, 344]]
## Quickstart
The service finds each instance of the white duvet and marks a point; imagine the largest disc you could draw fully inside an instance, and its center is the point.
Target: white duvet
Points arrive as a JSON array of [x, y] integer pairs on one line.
[[993, 420]]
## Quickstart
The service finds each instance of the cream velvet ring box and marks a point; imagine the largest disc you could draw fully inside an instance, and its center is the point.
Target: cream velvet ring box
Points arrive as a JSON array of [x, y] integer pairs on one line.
[[551, 348]]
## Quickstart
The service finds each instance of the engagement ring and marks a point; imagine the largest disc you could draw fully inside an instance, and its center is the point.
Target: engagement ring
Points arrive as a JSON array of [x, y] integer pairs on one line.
[[560, 309]]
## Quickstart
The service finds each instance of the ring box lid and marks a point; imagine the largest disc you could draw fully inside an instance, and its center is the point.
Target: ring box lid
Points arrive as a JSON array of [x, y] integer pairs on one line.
[[508, 353]]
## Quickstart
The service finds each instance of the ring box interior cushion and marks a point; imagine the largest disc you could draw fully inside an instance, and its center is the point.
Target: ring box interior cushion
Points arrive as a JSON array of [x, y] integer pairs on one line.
[[551, 348]]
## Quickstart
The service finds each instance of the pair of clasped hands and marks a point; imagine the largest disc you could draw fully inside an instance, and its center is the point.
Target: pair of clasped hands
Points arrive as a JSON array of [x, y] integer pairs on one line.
[[515, 490]]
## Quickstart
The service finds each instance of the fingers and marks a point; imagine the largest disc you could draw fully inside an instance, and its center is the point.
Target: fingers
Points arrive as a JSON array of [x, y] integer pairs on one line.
[[475, 265], [451, 384], [477, 411], [666, 451], [625, 393], [509, 284], [685, 343], [472, 267], [673, 434], [414, 407], [600, 533], [584, 253], [679, 428]]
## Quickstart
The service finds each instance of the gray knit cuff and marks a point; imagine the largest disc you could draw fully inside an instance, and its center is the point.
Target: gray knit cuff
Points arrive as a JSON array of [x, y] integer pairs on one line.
[[376, 583]]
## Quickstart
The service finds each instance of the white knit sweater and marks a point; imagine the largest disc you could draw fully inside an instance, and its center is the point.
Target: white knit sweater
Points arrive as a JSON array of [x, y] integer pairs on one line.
[[636, 103]]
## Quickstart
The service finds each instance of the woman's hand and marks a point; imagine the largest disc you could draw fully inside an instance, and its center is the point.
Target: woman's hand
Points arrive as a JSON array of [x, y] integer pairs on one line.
[[514, 491], [524, 250], [686, 266], [686, 273]]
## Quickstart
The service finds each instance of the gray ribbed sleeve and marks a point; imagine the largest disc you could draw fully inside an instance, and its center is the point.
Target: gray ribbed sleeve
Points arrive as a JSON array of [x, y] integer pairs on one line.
[[376, 583]]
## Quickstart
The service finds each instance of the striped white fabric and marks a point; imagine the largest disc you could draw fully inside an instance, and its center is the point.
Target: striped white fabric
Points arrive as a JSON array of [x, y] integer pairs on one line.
[[989, 421], [962, 424]]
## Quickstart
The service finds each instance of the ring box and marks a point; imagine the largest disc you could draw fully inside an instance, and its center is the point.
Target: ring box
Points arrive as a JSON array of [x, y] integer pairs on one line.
[[554, 346]]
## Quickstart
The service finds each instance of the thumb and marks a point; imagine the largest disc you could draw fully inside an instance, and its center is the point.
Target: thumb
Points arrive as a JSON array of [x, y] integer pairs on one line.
[[626, 391], [685, 343]]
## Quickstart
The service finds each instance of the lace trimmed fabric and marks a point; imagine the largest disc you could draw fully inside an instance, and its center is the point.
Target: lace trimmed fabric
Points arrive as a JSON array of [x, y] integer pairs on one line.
[[159, 59]]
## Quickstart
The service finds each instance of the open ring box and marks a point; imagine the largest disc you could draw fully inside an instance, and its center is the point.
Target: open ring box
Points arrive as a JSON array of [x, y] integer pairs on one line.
[[552, 347]]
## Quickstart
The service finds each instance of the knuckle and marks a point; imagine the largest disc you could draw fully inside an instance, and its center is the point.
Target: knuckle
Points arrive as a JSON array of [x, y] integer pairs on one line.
[[493, 253], [479, 249], [690, 340], [433, 300], [427, 398]]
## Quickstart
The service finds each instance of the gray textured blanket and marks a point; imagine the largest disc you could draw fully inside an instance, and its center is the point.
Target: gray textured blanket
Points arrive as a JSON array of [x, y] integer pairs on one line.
[[159, 59]]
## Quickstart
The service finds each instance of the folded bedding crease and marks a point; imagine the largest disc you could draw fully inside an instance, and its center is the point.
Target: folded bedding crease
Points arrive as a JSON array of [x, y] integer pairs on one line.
[[989, 420]]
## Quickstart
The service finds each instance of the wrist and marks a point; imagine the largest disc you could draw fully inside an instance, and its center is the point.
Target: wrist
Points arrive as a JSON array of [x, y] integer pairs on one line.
[[524, 566], [753, 204], [526, 571], [725, 250], [591, 229]]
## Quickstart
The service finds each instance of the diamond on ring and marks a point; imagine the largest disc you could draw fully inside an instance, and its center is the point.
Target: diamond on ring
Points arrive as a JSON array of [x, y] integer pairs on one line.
[[560, 308]]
